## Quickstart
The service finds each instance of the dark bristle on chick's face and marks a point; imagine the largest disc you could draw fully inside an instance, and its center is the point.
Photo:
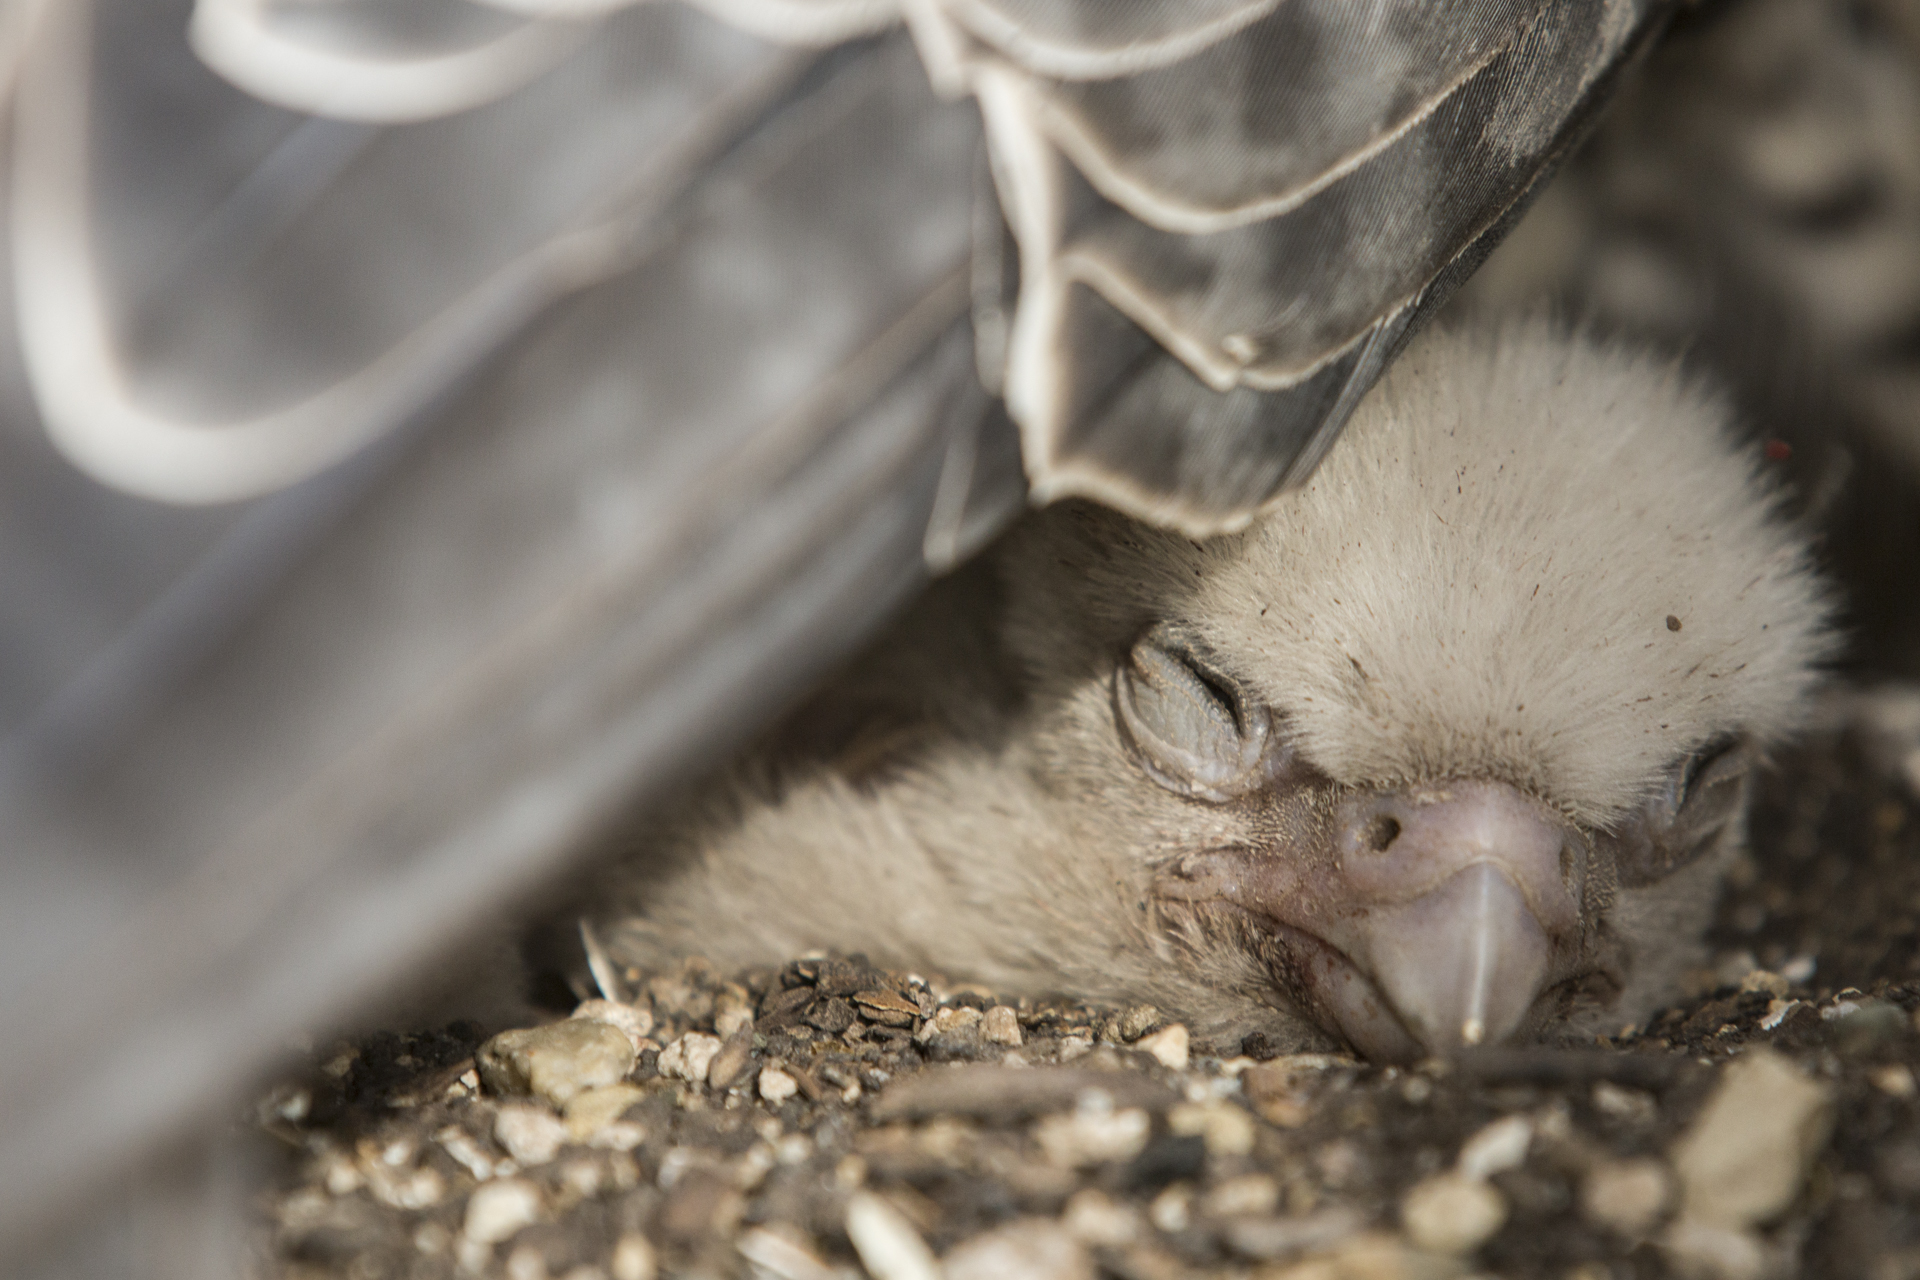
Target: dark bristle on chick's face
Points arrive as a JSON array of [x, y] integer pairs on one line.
[[1449, 748]]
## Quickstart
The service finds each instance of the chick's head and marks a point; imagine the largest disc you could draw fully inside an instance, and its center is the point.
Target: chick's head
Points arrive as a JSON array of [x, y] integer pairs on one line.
[[1452, 744]]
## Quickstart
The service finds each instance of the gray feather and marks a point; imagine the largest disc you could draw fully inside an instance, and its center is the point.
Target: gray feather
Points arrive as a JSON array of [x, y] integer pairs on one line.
[[647, 389]]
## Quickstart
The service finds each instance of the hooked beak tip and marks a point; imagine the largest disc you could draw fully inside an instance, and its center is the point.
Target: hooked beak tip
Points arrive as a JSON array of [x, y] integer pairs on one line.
[[1458, 967]]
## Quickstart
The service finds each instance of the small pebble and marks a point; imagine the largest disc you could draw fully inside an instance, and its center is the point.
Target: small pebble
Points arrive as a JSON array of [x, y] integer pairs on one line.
[[1452, 1213], [1624, 1104], [526, 1263], [951, 1022], [405, 1188], [1172, 1210], [889, 1247], [1746, 1155], [456, 1142], [1000, 1025], [1168, 1045], [635, 1022], [531, 1135], [588, 1113], [1026, 1249], [782, 1258], [1287, 1237], [1626, 1196], [1094, 1132], [1762, 980], [732, 1012], [1497, 1148], [1137, 1021], [1716, 1252], [690, 1057], [776, 1086], [1375, 1255], [1867, 1024], [633, 1259], [1227, 1129], [728, 1064], [1798, 969], [498, 1209], [1895, 1081], [555, 1062], [1248, 1196], [1095, 1218]]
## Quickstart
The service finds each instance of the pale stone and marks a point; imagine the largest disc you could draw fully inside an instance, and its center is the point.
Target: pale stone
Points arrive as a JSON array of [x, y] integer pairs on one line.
[[1896, 1080], [1451, 1213], [1762, 980], [889, 1247], [1497, 1148], [776, 1086], [590, 1112], [557, 1061], [1249, 1195], [1718, 1253], [531, 1135], [689, 1057], [1168, 1045], [633, 1259], [498, 1209], [1093, 1133], [473, 1256], [1227, 1129], [1001, 1025], [456, 1142], [1172, 1210], [405, 1188], [340, 1175], [954, 1021], [1627, 1196], [1745, 1157], [621, 1135], [1377, 1256], [1029, 1249], [1290, 1236], [526, 1263], [1094, 1218], [782, 1258], [634, 1022]]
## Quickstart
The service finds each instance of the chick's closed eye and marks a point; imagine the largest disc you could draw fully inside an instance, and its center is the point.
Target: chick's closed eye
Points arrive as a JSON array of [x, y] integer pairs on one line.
[[1413, 762]]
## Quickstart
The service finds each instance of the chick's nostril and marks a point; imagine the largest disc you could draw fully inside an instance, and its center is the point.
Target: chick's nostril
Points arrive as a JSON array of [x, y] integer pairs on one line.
[[1382, 832]]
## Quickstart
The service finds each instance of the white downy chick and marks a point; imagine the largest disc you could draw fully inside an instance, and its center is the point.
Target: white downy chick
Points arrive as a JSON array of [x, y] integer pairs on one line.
[[1449, 748]]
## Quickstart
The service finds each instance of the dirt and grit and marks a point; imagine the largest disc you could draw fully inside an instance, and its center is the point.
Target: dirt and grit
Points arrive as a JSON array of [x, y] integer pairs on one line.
[[832, 1119]]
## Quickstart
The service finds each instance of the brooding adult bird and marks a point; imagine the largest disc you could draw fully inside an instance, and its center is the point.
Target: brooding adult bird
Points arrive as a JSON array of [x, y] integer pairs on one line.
[[1449, 749], [588, 377]]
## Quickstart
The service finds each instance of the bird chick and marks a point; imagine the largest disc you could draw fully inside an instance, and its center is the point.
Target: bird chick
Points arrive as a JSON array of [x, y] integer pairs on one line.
[[1449, 748]]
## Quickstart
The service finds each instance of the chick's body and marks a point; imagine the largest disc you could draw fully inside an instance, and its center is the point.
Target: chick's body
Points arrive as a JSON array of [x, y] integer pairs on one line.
[[1477, 701]]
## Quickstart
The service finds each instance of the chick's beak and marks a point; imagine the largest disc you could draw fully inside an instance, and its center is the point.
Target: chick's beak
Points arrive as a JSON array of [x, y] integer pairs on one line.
[[1453, 906], [1419, 921]]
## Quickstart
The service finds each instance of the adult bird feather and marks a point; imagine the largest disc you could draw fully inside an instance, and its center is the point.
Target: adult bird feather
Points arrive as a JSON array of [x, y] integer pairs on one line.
[[590, 378]]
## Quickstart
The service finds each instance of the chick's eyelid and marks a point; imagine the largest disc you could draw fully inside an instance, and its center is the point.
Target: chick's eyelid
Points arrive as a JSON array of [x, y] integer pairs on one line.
[[1189, 682], [1714, 761], [1191, 728]]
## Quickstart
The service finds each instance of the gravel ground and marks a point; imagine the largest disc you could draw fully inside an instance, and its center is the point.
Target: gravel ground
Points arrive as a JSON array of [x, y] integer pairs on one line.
[[831, 1119]]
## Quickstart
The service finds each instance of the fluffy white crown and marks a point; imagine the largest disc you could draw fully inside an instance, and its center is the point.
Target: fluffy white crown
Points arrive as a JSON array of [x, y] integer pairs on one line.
[[1532, 557]]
